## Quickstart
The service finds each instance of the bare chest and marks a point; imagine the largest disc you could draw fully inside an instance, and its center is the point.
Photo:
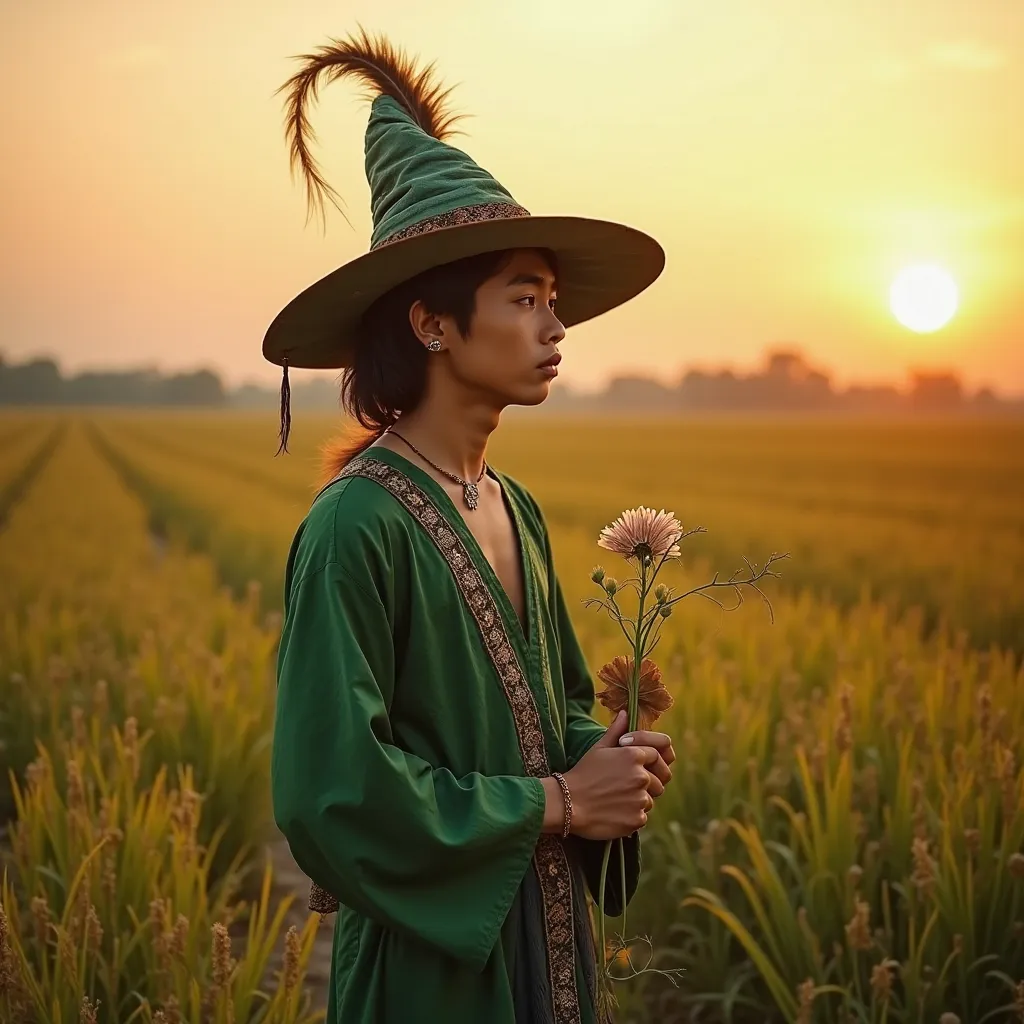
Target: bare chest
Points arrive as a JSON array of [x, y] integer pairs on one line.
[[494, 529]]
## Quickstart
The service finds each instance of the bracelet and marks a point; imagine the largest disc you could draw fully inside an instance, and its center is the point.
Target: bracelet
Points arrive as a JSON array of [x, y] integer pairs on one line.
[[567, 800]]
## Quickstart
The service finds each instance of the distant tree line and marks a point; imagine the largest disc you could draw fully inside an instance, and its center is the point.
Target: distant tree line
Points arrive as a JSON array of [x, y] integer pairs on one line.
[[40, 382], [785, 383]]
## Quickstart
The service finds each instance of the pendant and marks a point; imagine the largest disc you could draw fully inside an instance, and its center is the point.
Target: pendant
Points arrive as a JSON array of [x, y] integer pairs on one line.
[[471, 493]]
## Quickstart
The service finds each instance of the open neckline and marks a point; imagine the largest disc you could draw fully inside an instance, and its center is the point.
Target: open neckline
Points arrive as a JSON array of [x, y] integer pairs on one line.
[[459, 524]]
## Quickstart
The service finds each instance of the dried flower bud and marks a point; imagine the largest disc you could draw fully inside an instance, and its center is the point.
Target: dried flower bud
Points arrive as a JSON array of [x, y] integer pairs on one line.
[[158, 923], [37, 772], [923, 876], [611, 584], [881, 980], [1016, 865], [76, 788], [93, 929], [805, 992], [5, 930], [223, 963], [598, 574], [41, 918], [858, 929], [292, 949], [661, 593], [130, 740], [66, 953], [665, 611], [179, 938]]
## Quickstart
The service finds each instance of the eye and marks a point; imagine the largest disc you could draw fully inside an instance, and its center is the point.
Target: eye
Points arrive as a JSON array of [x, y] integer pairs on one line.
[[531, 301]]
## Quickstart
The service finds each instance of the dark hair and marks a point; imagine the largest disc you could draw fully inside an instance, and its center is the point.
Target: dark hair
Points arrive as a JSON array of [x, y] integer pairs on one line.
[[388, 374]]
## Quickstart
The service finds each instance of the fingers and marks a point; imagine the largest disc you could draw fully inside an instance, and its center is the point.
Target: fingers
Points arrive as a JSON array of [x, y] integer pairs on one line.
[[644, 738], [655, 764]]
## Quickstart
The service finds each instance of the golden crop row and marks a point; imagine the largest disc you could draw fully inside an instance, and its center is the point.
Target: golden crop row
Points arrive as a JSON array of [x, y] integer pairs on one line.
[[137, 704], [26, 442], [916, 514]]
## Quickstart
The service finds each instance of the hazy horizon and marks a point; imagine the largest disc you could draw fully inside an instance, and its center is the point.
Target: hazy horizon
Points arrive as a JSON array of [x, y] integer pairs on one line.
[[790, 158]]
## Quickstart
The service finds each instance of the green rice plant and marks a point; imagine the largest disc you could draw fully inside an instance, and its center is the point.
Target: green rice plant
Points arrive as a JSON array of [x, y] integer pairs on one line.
[[841, 778], [112, 911]]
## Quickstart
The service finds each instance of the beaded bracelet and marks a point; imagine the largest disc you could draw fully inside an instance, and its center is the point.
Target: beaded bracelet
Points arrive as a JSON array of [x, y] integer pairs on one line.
[[567, 800]]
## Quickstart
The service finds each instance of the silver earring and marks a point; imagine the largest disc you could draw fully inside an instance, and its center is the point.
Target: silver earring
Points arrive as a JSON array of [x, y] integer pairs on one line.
[[434, 345]]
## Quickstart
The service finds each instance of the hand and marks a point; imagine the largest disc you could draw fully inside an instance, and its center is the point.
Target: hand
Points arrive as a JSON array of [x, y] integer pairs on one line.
[[659, 769], [611, 786]]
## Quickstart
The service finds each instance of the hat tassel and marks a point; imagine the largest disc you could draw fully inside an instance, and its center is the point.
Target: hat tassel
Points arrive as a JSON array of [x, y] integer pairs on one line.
[[286, 409]]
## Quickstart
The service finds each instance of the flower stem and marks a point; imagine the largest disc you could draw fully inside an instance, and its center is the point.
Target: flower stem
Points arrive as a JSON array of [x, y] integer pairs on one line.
[[601, 940]]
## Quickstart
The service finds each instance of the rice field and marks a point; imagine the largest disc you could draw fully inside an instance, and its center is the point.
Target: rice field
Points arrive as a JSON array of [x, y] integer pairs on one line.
[[843, 839]]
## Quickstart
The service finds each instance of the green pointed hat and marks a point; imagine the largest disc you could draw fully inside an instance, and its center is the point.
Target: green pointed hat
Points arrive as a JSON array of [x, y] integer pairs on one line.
[[431, 204]]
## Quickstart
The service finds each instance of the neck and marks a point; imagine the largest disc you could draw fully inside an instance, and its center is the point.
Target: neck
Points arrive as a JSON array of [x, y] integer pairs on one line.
[[451, 429]]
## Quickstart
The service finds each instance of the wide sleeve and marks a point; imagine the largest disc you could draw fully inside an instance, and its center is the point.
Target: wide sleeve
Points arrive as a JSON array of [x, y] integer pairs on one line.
[[581, 733], [434, 856]]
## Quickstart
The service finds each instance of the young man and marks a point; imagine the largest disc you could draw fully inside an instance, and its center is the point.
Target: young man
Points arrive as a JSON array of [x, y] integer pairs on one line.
[[436, 769]]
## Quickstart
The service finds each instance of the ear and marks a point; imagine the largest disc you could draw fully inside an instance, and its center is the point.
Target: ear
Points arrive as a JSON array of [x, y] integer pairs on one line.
[[425, 325]]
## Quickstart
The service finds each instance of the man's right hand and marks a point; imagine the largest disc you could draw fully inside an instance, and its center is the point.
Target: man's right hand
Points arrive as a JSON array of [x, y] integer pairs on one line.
[[614, 787]]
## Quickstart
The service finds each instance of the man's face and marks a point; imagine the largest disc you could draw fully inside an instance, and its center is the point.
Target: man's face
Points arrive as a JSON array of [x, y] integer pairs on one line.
[[512, 332]]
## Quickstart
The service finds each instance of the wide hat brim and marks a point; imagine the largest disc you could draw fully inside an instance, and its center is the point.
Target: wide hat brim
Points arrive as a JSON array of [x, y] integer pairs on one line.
[[601, 264]]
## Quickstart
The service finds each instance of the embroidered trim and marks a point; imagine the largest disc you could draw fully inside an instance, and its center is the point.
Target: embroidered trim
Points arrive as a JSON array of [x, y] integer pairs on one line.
[[321, 901], [462, 215], [550, 860]]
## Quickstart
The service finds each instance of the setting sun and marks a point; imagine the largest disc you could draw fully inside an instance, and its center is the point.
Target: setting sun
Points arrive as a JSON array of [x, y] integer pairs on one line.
[[923, 297]]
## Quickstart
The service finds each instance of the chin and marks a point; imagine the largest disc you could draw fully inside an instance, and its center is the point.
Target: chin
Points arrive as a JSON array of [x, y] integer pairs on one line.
[[534, 395]]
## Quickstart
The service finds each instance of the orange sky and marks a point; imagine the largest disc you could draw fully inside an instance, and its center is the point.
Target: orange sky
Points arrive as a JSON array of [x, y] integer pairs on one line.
[[790, 156]]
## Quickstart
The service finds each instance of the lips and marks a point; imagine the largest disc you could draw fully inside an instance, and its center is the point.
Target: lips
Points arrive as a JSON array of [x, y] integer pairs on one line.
[[553, 361]]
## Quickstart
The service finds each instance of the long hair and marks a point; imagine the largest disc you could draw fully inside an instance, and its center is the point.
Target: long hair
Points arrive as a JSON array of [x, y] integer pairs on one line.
[[388, 372]]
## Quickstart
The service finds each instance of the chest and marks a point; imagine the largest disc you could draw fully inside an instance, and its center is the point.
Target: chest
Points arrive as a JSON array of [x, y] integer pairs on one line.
[[494, 530]]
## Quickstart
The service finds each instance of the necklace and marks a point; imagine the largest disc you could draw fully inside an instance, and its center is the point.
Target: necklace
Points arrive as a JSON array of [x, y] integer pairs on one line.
[[470, 491]]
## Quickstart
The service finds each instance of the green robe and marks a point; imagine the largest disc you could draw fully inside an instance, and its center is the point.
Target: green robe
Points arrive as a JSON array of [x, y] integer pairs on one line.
[[414, 723]]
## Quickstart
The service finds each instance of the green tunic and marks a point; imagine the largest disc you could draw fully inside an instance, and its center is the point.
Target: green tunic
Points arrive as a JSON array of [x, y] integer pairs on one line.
[[414, 723]]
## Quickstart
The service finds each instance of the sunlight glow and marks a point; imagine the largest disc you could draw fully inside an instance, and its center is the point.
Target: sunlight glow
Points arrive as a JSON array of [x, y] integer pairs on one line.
[[923, 297]]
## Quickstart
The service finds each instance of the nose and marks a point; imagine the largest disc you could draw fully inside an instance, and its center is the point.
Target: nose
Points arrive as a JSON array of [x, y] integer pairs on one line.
[[556, 331]]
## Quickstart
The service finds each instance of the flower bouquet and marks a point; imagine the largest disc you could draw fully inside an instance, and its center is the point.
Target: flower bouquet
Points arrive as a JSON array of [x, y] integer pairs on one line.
[[646, 540]]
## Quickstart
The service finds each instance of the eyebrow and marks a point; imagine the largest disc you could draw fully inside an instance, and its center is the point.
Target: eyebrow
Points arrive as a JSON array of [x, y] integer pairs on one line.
[[531, 279]]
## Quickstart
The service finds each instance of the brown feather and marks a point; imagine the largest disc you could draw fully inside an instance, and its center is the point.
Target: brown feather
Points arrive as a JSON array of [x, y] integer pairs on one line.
[[383, 70]]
